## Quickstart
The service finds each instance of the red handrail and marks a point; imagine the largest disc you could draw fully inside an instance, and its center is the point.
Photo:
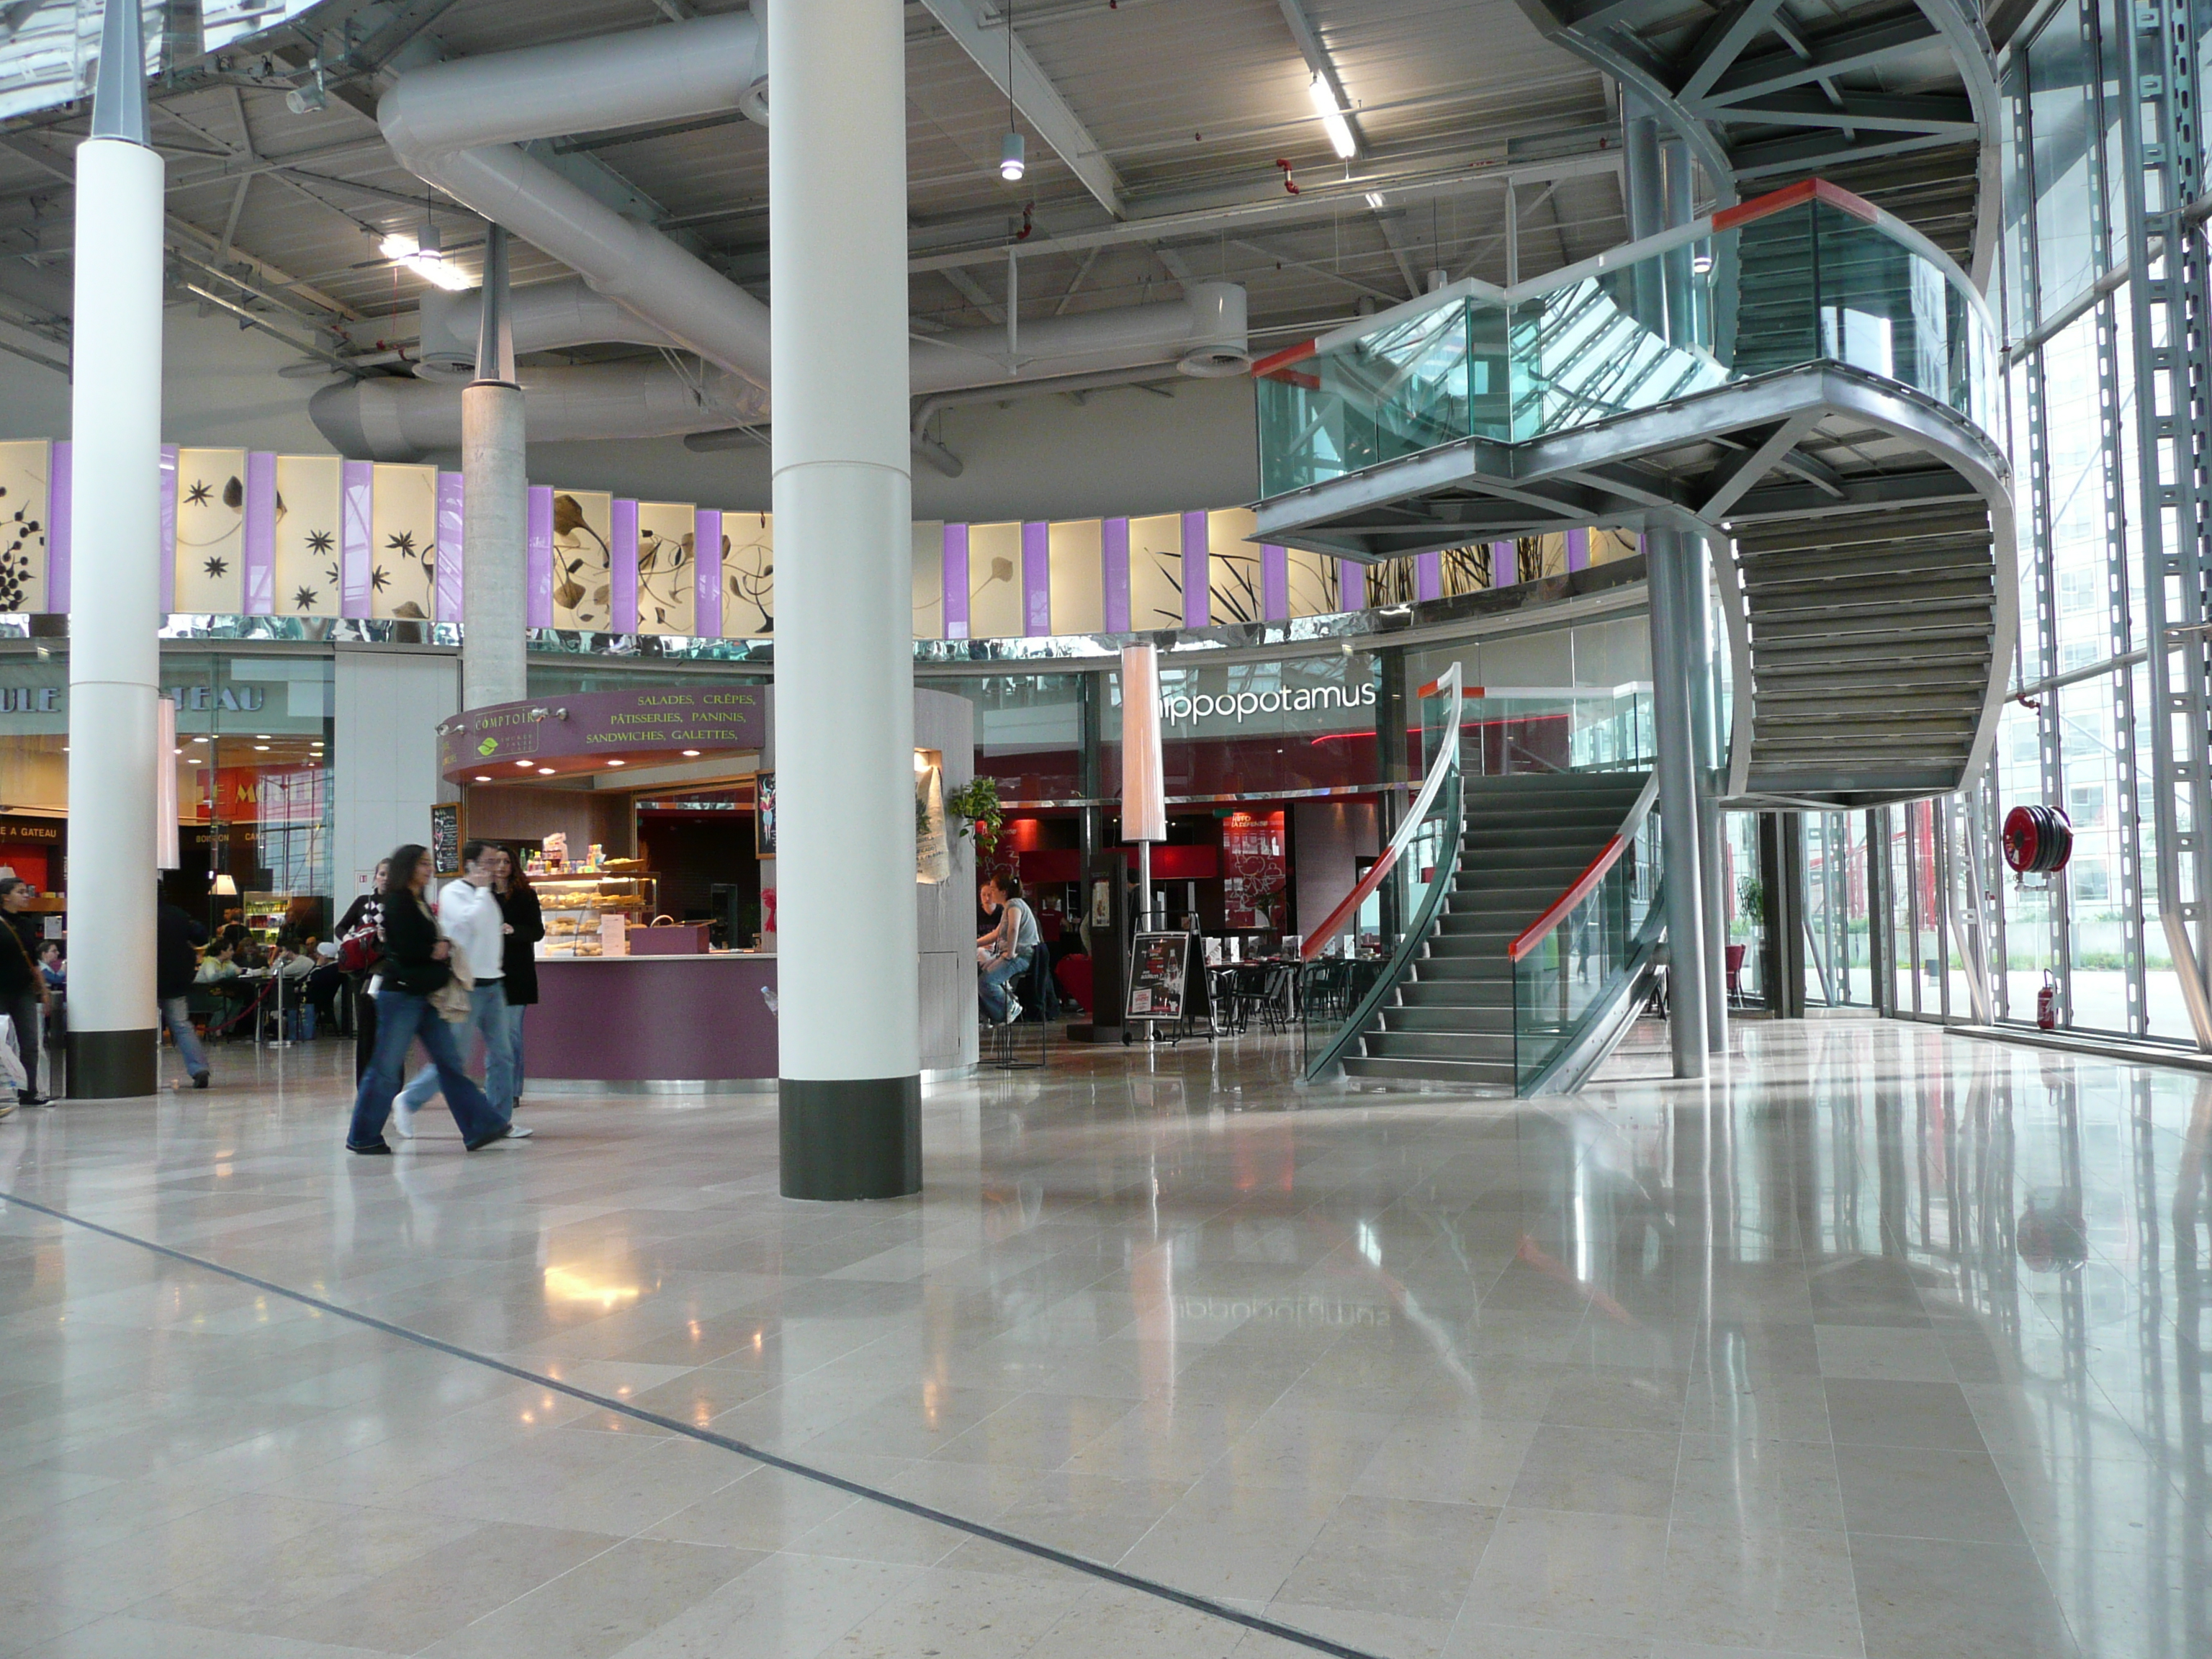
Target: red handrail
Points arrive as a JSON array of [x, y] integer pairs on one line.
[[1366, 884], [1555, 913], [1579, 889], [1445, 685]]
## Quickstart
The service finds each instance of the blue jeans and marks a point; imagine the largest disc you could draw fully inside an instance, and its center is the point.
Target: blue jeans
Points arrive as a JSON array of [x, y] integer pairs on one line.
[[187, 1040], [400, 1018], [991, 989], [487, 1019], [515, 1010]]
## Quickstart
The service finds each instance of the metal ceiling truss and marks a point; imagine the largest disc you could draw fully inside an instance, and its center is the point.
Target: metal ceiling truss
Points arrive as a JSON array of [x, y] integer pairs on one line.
[[1760, 100]]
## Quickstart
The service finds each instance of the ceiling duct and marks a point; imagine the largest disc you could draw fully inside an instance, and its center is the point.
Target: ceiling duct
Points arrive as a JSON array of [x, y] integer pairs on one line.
[[458, 126]]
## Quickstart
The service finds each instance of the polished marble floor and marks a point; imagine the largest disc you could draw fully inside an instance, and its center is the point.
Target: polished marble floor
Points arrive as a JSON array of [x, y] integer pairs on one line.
[[1885, 1343]]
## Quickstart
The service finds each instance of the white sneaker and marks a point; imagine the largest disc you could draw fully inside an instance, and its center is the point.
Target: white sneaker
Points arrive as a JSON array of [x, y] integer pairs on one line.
[[403, 1117], [1013, 1009], [516, 1132]]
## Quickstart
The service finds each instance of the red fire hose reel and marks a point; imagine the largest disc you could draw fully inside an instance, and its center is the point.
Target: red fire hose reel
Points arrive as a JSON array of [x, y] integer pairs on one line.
[[2037, 840]]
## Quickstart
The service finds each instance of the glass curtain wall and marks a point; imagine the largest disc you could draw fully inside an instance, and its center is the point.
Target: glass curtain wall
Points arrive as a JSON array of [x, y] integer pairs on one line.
[[2075, 735]]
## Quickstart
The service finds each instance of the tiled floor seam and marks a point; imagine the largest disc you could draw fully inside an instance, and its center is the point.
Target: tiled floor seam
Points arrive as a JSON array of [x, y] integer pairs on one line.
[[857, 1489]]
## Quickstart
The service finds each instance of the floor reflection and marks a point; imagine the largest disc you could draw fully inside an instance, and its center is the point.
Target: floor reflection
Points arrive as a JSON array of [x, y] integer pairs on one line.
[[1879, 1342]]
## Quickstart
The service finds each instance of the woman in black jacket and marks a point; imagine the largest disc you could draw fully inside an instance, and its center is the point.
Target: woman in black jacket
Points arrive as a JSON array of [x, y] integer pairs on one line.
[[367, 911], [413, 971], [525, 926]]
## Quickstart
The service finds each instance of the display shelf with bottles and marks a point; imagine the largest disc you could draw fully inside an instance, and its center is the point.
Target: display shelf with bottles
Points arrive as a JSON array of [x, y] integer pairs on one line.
[[265, 915], [574, 906]]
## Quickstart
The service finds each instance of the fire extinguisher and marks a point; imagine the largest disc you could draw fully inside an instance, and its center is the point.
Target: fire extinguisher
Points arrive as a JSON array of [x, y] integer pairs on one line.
[[2046, 1002]]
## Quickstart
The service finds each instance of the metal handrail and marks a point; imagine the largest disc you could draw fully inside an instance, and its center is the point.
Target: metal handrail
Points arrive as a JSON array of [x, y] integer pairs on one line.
[[1447, 760], [1580, 888]]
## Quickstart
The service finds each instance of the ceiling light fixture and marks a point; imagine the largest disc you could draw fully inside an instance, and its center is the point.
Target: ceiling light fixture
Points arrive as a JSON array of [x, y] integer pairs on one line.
[[691, 754], [1013, 151], [483, 779], [1332, 119]]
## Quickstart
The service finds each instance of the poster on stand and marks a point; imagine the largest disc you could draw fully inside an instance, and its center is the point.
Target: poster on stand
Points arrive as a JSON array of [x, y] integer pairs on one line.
[[1159, 978]]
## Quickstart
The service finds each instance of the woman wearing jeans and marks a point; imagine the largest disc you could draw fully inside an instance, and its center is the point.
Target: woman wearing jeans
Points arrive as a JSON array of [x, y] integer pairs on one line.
[[414, 970]]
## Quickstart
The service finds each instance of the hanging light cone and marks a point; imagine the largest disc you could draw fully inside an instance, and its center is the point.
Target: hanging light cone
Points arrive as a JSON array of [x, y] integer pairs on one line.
[[1013, 157]]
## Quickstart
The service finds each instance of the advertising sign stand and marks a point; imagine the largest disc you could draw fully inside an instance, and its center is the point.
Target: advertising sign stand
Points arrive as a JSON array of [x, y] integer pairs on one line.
[[1167, 987], [1106, 915]]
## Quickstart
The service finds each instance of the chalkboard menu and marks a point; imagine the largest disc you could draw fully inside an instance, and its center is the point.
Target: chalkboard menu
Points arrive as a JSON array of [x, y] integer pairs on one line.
[[446, 839], [1159, 977]]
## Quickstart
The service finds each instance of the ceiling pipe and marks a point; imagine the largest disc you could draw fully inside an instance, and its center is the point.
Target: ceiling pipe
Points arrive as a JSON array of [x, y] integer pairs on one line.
[[399, 419], [456, 125]]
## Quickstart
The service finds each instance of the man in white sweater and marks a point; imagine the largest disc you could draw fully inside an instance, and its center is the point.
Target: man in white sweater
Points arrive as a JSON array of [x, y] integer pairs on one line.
[[468, 914]]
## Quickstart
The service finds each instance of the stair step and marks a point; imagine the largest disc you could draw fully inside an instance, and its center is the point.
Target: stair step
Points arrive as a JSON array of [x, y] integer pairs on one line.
[[1440, 1045], [1488, 1074], [1487, 1019]]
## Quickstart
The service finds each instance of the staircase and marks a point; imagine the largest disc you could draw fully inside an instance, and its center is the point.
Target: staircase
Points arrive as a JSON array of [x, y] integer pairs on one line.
[[1525, 841]]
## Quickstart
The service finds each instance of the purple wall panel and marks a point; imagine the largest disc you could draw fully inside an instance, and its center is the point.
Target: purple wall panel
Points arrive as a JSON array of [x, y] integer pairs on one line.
[[357, 492], [1504, 565], [1428, 575], [538, 558], [1352, 585], [1578, 550], [1274, 583], [1197, 572], [257, 536], [453, 548], [61, 514], [1036, 579], [707, 574], [168, 526], [955, 569], [623, 535], [1114, 573]]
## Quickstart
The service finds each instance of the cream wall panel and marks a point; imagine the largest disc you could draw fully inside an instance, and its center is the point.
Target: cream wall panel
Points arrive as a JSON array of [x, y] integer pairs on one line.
[[1313, 586], [25, 472], [929, 579], [583, 563], [1156, 572], [666, 595], [1235, 589], [211, 531], [403, 542], [994, 582], [307, 492], [748, 575], [1078, 599]]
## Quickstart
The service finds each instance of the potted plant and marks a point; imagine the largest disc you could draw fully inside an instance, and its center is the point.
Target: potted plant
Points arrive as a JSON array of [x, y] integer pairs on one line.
[[974, 806]]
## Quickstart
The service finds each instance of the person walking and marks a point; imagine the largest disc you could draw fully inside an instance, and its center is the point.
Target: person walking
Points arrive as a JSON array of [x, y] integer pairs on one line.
[[525, 926], [23, 994], [367, 911], [468, 915], [177, 939], [416, 967]]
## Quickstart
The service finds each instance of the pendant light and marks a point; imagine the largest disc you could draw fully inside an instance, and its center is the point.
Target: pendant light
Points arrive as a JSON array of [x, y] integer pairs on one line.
[[1013, 159]]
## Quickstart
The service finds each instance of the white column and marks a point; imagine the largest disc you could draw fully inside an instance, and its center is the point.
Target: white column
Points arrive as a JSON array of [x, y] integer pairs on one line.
[[114, 621], [850, 1089], [1672, 718], [494, 506], [115, 657]]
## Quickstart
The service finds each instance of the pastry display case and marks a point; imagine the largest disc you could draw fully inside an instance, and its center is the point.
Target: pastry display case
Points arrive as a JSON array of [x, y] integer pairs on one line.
[[575, 905]]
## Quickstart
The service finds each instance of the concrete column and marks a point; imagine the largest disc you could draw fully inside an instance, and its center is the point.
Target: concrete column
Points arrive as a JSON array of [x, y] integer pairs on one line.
[[115, 653], [496, 506], [1673, 719], [849, 1084], [1712, 857]]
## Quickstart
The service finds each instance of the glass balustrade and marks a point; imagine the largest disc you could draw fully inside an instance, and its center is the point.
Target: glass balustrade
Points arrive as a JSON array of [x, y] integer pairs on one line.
[[1808, 281], [1348, 978], [1564, 974]]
